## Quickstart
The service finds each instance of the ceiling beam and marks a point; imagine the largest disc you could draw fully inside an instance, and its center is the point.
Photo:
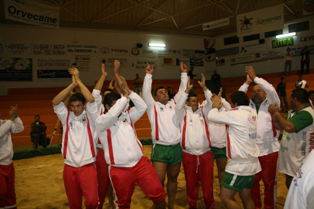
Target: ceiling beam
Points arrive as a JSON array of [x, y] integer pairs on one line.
[[237, 7], [232, 12], [175, 23], [296, 11], [243, 6], [85, 8], [184, 1], [152, 13], [104, 9], [288, 7], [196, 15], [134, 20], [258, 4]]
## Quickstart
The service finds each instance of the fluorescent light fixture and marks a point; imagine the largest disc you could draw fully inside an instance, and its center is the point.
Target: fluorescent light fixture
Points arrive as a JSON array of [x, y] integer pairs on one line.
[[286, 35], [157, 45]]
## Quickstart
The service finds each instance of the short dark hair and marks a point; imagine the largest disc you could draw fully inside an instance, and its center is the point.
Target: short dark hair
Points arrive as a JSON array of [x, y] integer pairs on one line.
[[282, 78], [111, 91], [301, 95], [160, 87], [309, 93], [77, 97], [191, 95], [36, 116], [110, 98], [240, 98]]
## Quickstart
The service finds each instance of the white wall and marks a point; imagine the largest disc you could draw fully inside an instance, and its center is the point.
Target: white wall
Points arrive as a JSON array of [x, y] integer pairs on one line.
[[269, 66], [31, 35]]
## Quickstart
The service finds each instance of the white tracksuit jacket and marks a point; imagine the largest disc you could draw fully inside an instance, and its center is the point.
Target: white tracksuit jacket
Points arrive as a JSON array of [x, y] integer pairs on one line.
[[79, 137], [164, 122], [195, 137], [117, 133], [242, 150], [267, 134], [218, 133], [6, 146]]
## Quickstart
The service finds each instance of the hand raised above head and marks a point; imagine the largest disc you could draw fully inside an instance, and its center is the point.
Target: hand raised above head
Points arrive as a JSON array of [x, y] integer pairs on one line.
[[250, 71], [149, 69], [202, 83], [103, 70], [183, 67], [273, 109], [116, 64]]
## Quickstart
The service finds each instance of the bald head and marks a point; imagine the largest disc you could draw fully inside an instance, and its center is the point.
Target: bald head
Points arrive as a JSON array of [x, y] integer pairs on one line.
[[259, 95]]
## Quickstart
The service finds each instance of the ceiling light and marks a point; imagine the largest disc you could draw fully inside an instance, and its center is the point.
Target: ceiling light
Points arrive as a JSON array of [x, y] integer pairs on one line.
[[286, 35], [157, 45]]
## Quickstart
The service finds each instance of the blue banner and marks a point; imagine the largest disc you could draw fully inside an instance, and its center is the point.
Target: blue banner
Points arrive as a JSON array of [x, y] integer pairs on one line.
[[226, 52]]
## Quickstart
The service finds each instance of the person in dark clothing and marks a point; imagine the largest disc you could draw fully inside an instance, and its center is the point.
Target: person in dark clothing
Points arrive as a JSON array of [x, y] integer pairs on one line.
[[305, 60], [216, 82], [281, 90], [191, 75], [38, 132]]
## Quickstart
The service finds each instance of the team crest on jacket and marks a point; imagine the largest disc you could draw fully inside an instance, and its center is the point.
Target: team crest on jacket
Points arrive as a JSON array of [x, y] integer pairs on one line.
[[125, 121], [170, 107], [161, 109], [202, 120], [84, 119]]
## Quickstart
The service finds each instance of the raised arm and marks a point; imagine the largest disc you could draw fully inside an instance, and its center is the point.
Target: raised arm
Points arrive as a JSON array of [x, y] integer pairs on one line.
[[246, 84], [139, 107], [272, 96], [86, 93], [183, 83], [5, 127], [179, 108], [64, 93], [147, 86], [280, 122], [102, 78], [17, 126]]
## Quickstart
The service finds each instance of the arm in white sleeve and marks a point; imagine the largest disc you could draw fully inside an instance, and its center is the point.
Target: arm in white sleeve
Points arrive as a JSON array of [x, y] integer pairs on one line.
[[224, 117], [17, 126], [225, 104], [92, 112], [147, 88], [62, 112], [208, 106], [139, 107], [244, 88], [179, 108], [272, 96], [5, 128], [98, 99], [104, 122], [182, 87]]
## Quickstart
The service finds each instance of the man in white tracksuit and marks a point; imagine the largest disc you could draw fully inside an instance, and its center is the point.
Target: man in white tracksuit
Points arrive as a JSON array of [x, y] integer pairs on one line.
[[298, 136], [166, 151], [123, 151], [78, 143], [242, 150], [195, 140], [264, 94], [301, 191], [7, 174]]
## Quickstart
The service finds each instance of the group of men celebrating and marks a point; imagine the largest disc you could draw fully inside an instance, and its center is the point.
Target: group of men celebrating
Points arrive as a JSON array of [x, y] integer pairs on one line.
[[99, 130]]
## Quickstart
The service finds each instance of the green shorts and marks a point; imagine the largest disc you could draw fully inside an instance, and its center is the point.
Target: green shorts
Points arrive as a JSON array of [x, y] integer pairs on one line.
[[170, 154], [219, 152], [236, 182]]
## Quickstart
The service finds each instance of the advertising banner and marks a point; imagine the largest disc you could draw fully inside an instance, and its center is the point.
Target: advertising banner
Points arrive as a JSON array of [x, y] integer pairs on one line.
[[15, 48], [259, 21], [192, 53], [32, 12], [274, 54], [16, 69], [308, 7], [248, 58], [215, 24], [53, 68], [196, 62], [109, 61], [48, 49], [228, 51], [167, 52], [282, 42], [82, 50]]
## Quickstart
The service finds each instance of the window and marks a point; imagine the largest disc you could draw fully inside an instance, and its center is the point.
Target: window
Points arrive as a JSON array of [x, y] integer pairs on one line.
[[273, 33], [251, 37], [299, 26], [231, 40]]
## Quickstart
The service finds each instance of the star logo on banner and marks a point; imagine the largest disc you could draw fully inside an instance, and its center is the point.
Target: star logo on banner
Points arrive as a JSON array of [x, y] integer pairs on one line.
[[246, 22]]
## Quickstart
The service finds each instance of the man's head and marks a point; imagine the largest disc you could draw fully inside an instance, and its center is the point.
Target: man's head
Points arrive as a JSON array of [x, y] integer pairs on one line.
[[78, 103], [305, 47], [37, 117], [288, 49], [191, 68], [239, 98], [215, 71], [192, 101], [299, 97], [282, 79], [169, 88], [161, 95], [311, 95], [110, 100], [137, 75], [300, 77], [259, 95], [107, 91]]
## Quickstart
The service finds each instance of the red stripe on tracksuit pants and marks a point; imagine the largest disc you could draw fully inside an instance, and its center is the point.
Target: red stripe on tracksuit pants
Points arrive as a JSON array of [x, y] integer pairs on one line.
[[199, 168], [123, 181], [7, 190], [78, 182], [268, 174], [102, 176]]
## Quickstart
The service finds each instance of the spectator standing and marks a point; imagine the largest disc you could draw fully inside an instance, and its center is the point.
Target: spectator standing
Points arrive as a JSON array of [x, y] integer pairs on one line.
[[216, 82], [305, 60], [138, 82], [301, 83], [281, 90], [288, 62], [38, 133]]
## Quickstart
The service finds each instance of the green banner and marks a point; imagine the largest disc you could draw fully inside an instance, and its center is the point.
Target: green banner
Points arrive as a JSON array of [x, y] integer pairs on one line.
[[283, 42]]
